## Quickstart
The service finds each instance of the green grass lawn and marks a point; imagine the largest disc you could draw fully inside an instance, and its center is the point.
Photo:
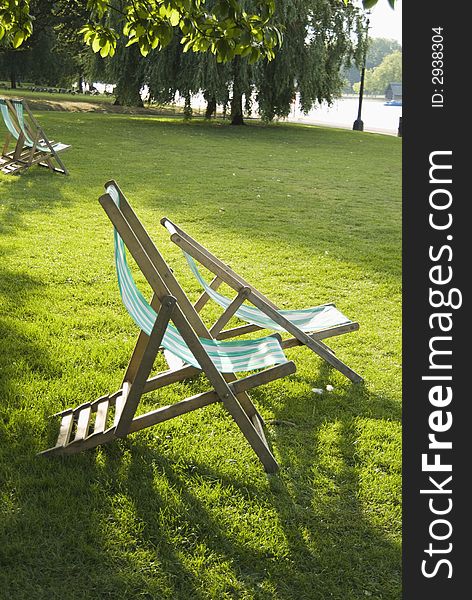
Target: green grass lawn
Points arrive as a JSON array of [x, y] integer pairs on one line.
[[184, 510]]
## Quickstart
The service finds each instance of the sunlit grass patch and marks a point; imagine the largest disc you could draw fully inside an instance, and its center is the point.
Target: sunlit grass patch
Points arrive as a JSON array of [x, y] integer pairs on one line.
[[184, 510]]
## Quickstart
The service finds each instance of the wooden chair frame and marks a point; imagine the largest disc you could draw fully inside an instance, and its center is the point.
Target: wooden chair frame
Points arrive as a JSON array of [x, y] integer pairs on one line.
[[10, 152], [223, 273], [23, 156], [171, 303]]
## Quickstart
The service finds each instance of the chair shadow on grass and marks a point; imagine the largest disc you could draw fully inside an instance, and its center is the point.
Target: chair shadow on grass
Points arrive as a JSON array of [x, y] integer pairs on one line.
[[171, 522], [300, 572]]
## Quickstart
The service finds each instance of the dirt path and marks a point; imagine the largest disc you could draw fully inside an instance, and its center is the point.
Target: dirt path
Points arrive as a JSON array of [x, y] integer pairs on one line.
[[84, 106]]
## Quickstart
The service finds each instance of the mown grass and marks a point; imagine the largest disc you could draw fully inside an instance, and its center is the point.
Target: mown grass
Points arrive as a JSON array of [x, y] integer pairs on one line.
[[184, 510]]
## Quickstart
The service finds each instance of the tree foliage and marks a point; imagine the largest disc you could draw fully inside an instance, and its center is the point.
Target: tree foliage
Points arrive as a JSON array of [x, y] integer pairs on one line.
[[55, 53], [319, 35], [377, 50], [226, 30], [389, 71]]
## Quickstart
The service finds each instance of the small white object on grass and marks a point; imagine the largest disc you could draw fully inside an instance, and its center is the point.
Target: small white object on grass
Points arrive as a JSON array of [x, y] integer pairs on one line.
[[317, 390], [330, 388]]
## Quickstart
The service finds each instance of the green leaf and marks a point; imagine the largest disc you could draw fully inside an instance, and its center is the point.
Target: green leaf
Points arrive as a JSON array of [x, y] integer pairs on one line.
[[105, 50], [18, 39], [96, 43], [174, 18]]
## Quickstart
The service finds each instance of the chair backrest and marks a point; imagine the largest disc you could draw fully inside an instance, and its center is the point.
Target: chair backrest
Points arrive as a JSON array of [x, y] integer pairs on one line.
[[137, 306], [159, 264], [236, 356], [6, 110], [20, 115], [197, 251]]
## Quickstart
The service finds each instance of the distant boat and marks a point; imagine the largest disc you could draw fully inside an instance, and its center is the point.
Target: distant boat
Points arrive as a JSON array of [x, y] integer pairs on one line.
[[394, 94]]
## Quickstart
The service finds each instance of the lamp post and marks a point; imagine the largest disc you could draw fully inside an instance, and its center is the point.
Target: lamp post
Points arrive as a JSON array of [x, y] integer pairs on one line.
[[359, 123]]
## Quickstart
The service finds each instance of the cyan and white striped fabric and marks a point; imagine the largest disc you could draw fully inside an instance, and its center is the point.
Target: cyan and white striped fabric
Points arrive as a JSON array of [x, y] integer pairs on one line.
[[7, 119], [227, 356], [307, 319], [18, 106]]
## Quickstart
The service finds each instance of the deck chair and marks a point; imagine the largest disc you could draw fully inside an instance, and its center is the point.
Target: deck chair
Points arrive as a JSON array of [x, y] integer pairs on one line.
[[26, 143], [12, 134], [308, 326], [170, 322]]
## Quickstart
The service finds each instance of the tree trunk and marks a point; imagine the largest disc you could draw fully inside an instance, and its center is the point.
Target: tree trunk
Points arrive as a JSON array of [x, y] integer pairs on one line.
[[211, 108], [13, 78], [80, 83], [128, 82], [127, 94], [237, 108], [188, 112], [237, 99]]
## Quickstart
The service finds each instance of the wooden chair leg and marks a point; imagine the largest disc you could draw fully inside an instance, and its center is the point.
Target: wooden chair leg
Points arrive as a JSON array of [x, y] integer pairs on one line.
[[257, 442], [19, 146], [134, 389]]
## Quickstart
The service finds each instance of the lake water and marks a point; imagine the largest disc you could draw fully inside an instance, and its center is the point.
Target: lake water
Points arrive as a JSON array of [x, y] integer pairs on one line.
[[375, 115], [343, 112]]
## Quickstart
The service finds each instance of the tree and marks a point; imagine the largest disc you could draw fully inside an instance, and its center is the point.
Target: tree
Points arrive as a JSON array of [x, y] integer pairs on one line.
[[173, 71], [378, 49], [227, 30], [126, 69], [389, 70], [68, 17], [55, 53], [16, 64], [318, 36]]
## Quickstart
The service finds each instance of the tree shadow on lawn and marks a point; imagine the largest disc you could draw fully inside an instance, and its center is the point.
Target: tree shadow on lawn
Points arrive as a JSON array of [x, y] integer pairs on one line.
[[130, 521], [36, 190], [21, 355]]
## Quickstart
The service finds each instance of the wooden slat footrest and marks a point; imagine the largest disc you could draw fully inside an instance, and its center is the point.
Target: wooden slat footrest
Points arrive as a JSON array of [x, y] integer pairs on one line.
[[85, 437], [101, 416], [83, 421], [65, 431]]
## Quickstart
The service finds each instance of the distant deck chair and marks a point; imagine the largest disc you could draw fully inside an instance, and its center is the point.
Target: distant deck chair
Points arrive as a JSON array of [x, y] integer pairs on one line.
[[26, 144], [187, 340], [13, 133], [307, 326]]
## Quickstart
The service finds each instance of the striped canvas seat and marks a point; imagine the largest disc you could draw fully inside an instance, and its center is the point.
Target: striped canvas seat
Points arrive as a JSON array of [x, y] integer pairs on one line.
[[57, 146], [228, 357], [307, 319], [7, 119]]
